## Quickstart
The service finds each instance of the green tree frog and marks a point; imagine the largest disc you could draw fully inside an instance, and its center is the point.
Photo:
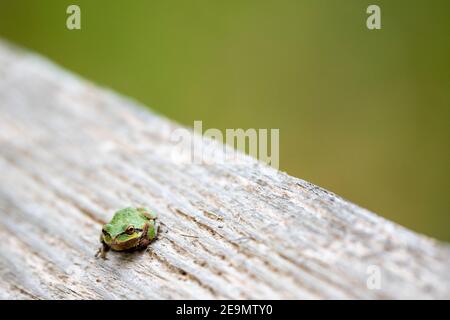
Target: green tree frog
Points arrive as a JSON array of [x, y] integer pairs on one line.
[[129, 229]]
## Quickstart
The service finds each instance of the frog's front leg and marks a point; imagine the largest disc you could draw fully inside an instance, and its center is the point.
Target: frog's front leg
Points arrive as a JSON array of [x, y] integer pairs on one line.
[[102, 251], [144, 241]]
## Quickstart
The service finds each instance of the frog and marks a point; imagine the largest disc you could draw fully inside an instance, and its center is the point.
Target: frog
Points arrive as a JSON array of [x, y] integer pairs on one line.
[[130, 229]]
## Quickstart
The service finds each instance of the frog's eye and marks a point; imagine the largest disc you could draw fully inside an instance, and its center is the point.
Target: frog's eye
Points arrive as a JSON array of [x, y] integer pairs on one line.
[[129, 229]]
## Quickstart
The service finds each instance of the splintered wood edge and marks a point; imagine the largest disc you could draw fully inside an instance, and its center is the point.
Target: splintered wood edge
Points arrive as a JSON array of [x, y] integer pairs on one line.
[[71, 154]]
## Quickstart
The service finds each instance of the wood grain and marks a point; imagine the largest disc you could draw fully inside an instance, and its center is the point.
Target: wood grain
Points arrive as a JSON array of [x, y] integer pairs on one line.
[[72, 153]]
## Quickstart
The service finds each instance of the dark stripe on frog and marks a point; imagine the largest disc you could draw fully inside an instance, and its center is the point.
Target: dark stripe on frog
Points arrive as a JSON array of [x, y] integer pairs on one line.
[[124, 232]]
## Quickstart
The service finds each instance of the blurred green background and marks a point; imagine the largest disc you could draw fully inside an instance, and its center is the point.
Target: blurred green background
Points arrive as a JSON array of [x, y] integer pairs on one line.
[[362, 113]]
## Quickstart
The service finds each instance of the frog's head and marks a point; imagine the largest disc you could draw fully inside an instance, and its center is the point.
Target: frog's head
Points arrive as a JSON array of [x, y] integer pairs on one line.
[[121, 237]]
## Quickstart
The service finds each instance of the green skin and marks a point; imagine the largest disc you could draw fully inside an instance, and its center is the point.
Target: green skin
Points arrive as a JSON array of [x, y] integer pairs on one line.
[[129, 229]]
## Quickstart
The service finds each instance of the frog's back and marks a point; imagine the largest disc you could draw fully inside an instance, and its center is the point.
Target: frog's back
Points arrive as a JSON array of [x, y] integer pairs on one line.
[[124, 218], [128, 216]]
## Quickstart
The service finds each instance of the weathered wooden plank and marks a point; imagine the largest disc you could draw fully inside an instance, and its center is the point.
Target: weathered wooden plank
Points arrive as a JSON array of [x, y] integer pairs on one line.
[[71, 154]]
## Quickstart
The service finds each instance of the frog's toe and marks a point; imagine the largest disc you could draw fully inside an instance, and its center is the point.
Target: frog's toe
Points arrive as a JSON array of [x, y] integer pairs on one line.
[[101, 252]]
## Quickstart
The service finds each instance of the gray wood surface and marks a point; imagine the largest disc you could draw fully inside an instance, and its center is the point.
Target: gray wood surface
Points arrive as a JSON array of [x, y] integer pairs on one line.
[[72, 153]]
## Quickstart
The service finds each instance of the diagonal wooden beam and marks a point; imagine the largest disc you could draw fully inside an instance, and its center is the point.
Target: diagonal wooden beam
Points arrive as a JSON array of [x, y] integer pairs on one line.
[[72, 153]]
